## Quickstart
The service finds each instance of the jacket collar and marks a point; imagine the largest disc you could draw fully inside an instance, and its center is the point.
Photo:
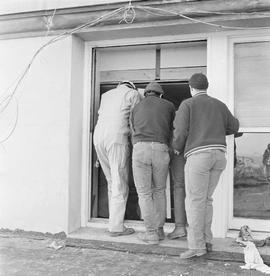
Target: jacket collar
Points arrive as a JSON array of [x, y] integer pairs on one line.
[[200, 93]]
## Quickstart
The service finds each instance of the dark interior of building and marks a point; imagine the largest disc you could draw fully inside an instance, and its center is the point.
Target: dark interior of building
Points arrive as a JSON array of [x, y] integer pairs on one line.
[[175, 92]]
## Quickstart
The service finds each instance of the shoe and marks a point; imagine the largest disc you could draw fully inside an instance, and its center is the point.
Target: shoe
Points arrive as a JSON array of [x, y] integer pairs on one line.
[[149, 237], [161, 234], [209, 247], [193, 253], [127, 231], [178, 232]]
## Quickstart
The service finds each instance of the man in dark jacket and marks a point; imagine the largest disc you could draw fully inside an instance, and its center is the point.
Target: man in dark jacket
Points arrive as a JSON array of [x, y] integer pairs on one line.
[[201, 125], [152, 125]]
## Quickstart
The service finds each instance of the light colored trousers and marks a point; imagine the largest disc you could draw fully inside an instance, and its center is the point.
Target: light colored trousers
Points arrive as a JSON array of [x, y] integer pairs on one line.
[[177, 165], [114, 162], [150, 163], [202, 173]]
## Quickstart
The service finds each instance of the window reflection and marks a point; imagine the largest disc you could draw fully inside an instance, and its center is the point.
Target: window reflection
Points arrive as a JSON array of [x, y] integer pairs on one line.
[[252, 176]]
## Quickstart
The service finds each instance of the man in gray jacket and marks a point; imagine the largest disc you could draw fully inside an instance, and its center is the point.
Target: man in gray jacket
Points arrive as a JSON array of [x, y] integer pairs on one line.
[[201, 125]]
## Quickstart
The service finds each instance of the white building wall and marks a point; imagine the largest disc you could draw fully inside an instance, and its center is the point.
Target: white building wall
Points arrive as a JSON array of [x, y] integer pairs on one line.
[[75, 134], [34, 178]]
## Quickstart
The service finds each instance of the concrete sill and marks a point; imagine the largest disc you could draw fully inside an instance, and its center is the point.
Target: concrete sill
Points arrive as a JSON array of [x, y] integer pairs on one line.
[[97, 237]]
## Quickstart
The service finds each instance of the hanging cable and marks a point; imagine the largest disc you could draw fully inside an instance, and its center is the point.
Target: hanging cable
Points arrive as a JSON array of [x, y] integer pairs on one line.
[[129, 15], [51, 41], [4, 103], [14, 125]]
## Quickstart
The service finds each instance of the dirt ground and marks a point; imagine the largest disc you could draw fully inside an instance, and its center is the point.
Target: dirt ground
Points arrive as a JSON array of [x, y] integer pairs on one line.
[[27, 256]]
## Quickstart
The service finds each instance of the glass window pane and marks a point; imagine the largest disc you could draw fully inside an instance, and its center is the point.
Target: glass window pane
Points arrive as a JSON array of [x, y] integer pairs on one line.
[[252, 82], [251, 186]]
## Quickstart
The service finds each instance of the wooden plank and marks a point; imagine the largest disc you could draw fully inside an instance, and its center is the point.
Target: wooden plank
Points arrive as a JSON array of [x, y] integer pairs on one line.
[[178, 74], [135, 75]]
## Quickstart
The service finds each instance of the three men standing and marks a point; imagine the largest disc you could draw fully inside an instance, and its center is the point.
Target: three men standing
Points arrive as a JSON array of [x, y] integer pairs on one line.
[[111, 141], [200, 128], [201, 125]]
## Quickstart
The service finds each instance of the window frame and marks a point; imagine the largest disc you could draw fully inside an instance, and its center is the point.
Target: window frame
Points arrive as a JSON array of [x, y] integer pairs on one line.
[[238, 222]]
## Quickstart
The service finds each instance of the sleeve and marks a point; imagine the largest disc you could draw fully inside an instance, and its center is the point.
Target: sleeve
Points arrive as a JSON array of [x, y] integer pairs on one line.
[[232, 123], [135, 98], [181, 127]]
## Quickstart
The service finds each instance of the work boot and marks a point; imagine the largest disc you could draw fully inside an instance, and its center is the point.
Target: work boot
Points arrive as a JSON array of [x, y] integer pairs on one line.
[[149, 237], [178, 232], [193, 253], [161, 234]]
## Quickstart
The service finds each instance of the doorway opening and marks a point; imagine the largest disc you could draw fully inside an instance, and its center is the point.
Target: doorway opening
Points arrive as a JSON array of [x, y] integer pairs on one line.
[[170, 65], [175, 92]]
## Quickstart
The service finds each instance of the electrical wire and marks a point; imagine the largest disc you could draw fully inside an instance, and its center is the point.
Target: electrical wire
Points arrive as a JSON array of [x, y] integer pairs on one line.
[[129, 15], [8, 98], [51, 41], [4, 103], [128, 10], [14, 125]]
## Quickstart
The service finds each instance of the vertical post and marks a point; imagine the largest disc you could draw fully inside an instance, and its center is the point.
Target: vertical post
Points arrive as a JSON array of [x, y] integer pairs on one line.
[[217, 73]]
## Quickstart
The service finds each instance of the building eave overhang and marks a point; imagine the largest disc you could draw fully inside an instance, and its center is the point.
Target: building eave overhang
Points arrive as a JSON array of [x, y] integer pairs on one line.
[[241, 13]]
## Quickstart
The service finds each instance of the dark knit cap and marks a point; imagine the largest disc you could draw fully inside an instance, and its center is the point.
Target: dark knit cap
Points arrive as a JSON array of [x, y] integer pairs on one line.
[[154, 87], [198, 81]]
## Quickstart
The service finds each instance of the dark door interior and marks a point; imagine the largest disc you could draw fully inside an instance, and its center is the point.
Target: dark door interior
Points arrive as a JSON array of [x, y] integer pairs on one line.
[[175, 92]]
